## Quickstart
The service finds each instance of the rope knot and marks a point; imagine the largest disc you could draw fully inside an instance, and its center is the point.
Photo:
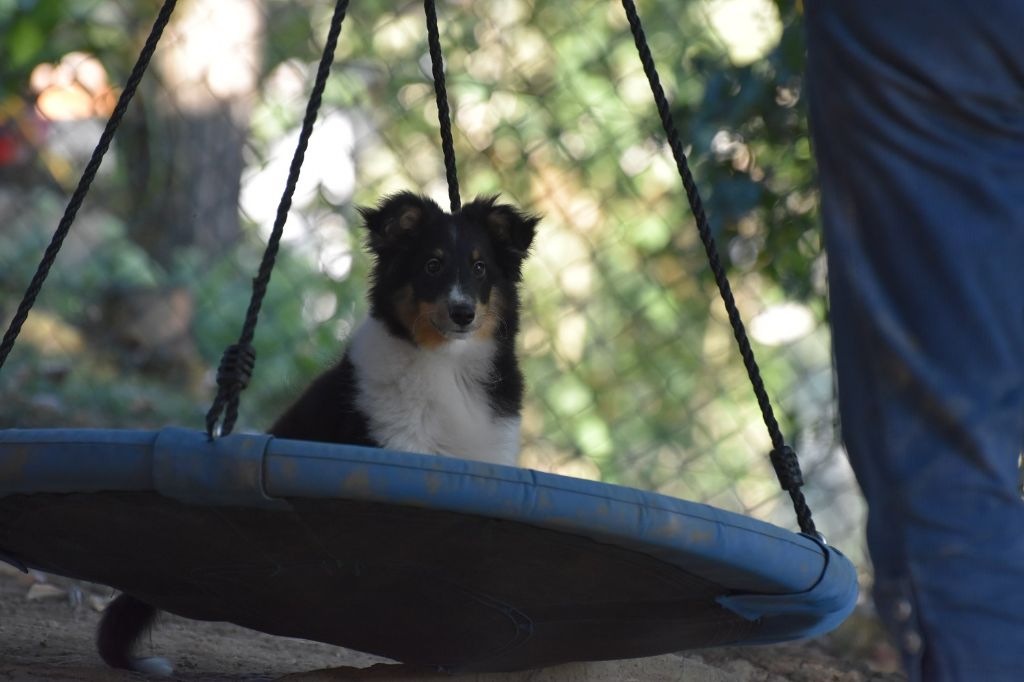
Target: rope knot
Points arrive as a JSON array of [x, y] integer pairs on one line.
[[787, 468], [233, 374], [236, 366]]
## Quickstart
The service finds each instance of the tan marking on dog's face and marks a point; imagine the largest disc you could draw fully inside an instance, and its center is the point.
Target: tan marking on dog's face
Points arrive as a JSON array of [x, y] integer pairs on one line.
[[490, 316], [422, 318], [476, 255], [424, 332], [416, 317]]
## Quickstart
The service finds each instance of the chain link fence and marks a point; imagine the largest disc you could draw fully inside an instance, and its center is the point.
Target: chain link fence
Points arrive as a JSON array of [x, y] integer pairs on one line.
[[632, 373]]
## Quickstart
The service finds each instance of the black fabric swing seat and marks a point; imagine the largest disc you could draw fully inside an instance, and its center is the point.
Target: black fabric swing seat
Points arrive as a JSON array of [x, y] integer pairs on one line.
[[422, 559]]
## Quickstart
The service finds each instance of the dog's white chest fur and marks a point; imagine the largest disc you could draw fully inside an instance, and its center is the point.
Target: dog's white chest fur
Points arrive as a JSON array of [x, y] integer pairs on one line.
[[431, 400]]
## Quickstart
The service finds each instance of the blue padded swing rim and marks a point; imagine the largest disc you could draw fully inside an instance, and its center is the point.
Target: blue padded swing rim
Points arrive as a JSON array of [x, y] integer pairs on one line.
[[794, 584]]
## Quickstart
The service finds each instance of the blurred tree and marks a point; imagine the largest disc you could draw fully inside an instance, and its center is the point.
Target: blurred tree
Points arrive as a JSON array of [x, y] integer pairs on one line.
[[180, 148], [183, 142]]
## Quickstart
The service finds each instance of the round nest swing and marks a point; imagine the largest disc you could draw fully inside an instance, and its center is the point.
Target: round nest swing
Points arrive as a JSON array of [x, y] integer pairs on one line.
[[427, 560]]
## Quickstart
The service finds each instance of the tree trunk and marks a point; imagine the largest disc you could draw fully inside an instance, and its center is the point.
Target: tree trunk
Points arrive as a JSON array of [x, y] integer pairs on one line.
[[183, 149]]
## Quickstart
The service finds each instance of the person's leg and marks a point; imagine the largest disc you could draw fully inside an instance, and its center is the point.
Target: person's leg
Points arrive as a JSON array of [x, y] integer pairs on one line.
[[917, 111]]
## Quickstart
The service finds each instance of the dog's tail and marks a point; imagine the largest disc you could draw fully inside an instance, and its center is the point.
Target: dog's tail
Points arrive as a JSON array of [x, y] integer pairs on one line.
[[124, 621]]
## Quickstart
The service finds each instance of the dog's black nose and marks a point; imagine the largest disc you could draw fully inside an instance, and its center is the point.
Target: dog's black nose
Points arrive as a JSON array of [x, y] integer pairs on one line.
[[462, 314]]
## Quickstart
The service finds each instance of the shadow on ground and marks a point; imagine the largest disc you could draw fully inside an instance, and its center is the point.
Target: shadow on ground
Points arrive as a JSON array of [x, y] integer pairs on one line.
[[47, 626]]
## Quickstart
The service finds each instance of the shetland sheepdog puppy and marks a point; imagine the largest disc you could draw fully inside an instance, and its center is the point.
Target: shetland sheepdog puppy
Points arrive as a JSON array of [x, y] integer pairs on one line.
[[432, 369]]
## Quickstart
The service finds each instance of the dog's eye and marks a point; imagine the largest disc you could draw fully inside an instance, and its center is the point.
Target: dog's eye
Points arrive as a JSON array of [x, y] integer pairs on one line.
[[433, 266], [479, 269]]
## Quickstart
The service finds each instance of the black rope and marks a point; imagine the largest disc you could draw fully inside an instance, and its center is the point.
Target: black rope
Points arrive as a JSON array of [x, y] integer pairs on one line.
[[787, 468], [64, 226], [443, 112], [239, 359]]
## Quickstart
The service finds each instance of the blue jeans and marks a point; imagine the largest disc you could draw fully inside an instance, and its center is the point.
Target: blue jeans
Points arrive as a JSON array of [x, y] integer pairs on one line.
[[917, 111]]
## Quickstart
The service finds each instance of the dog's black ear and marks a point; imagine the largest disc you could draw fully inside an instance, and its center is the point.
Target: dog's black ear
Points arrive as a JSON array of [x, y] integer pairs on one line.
[[511, 230], [395, 219]]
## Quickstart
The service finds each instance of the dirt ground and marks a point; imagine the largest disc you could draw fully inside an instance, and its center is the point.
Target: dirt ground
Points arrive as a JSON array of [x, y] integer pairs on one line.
[[47, 625]]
